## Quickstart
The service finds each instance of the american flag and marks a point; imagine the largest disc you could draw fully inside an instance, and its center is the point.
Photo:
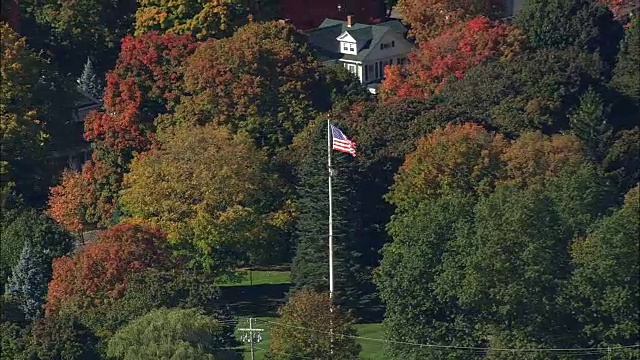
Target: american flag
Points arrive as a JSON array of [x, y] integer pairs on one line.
[[341, 143]]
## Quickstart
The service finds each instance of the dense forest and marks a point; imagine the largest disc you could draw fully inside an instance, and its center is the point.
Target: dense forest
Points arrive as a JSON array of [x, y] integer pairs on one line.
[[492, 210]]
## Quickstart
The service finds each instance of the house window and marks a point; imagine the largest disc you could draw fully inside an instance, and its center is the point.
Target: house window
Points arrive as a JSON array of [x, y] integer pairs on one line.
[[345, 47], [352, 69], [352, 48], [393, 44]]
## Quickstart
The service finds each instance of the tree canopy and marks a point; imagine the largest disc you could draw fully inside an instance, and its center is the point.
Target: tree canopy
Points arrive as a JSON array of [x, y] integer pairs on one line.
[[171, 334], [450, 54], [224, 178]]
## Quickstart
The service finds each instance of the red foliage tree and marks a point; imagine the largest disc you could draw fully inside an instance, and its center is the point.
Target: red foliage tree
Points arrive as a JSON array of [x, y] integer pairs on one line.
[[428, 18], [98, 272], [450, 54], [146, 82]]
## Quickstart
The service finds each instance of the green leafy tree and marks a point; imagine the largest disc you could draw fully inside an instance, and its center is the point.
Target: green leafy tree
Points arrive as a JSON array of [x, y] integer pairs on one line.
[[622, 162], [154, 289], [560, 24], [311, 260], [604, 290], [70, 31], [89, 82], [417, 309], [516, 260], [625, 75], [171, 334], [41, 233], [61, 337], [303, 330], [28, 282], [33, 112], [534, 91]]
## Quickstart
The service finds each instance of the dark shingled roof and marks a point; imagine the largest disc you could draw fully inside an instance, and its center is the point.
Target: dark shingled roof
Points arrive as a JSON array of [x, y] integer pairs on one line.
[[323, 39]]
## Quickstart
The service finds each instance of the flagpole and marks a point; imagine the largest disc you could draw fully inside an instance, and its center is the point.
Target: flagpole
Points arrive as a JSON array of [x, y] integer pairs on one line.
[[330, 238], [330, 211]]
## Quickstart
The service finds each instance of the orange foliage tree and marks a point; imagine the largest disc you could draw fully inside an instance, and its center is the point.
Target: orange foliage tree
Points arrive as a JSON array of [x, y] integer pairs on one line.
[[68, 201], [534, 158], [453, 158], [450, 54], [428, 18], [98, 272], [263, 81]]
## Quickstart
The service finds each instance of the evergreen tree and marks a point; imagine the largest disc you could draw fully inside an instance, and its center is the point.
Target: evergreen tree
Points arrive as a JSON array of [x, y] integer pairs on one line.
[[89, 82], [589, 123], [29, 283], [310, 268], [626, 77]]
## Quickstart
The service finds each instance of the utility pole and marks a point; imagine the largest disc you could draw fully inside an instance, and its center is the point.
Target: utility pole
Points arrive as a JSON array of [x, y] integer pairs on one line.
[[250, 337]]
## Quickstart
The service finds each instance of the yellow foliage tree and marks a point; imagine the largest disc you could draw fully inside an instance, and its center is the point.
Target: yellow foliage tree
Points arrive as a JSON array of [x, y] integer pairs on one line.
[[201, 18], [206, 187]]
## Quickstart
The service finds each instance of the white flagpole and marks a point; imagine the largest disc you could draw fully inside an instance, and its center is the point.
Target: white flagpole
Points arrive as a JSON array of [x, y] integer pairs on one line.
[[330, 211], [330, 238]]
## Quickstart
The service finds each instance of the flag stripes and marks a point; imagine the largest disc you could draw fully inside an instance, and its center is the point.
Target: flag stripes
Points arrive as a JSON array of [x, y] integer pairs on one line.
[[341, 142]]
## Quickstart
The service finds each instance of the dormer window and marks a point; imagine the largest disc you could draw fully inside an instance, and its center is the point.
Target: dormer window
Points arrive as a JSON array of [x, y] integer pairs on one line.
[[348, 48]]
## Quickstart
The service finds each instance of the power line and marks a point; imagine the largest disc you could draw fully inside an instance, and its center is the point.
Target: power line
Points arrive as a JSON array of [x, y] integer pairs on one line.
[[471, 348]]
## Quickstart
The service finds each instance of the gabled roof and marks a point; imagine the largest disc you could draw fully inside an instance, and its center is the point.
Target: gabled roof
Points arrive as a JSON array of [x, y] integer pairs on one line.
[[323, 39]]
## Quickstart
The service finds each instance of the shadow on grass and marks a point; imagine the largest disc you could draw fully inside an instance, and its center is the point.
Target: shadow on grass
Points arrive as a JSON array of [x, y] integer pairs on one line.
[[256, 300]]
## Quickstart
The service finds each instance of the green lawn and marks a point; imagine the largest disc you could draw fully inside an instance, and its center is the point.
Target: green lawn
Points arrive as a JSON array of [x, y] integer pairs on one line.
[[258, 277], [259, 293], [371, 350]]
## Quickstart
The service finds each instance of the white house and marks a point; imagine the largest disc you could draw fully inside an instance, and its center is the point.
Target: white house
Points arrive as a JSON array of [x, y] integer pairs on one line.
[[363, 49]]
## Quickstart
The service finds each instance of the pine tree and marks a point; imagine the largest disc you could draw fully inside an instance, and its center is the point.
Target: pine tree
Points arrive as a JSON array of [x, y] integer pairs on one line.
[[29, 283], [89, 82], [589, 123], [310, 269]]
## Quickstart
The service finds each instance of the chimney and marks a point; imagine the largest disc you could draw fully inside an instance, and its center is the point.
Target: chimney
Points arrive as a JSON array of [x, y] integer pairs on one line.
[[349, 20]]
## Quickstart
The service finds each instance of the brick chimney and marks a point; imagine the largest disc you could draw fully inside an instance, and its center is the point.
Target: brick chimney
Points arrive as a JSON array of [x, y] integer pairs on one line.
[[349, 20]]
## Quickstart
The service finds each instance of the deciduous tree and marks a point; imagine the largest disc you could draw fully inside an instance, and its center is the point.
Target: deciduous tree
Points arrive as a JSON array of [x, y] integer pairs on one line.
[[73, 30], [32, 117], [171, 334], [604, 286], [448, 55], [146, 81], [557, 24], [428, 18], [224, 178], [202, 19], [533, 91], [625, 74], [262, 81], [463, 158], [61, 337], [68, 202], [97, 273], [303, 330]]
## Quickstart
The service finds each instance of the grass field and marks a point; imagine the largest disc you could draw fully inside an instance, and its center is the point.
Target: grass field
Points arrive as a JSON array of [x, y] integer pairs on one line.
[[258, 293], [258, 277], [371, 350]]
